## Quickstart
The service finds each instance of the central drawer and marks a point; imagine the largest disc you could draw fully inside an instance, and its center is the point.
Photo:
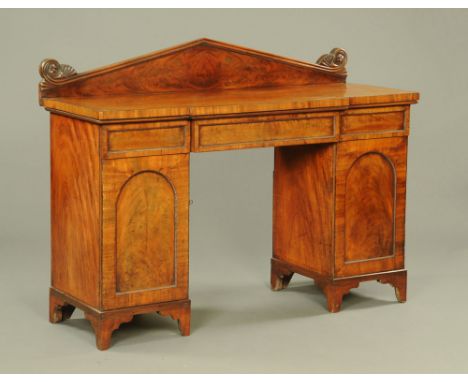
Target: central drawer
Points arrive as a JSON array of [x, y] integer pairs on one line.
[[263, 131]]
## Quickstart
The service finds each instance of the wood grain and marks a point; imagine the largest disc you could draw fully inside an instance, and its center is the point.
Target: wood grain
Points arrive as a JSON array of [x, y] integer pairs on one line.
[[106, 322], [335, 291], [201, 64], [120, 142], [303, 200], [145, 230], [370, 206], [179, 311], [59, 309], [75, 208], [145, 233], [104, 327], [236, 101], [335, 288], [383, 119], [145, 139], [266, 131]]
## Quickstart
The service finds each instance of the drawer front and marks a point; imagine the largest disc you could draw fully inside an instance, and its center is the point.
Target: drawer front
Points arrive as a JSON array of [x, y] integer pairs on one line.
[[379, 121], [264, 131], [144, 139]]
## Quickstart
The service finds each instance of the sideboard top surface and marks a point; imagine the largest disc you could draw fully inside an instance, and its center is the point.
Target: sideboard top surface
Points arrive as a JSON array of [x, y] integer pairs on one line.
[[206, 103]]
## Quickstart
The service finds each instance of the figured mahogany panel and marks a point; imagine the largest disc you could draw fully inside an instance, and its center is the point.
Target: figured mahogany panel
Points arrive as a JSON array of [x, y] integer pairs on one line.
[[370, 206], [145, 230], [75, 205], [199, 65], [262, 131], [303, 195], [144, 139]]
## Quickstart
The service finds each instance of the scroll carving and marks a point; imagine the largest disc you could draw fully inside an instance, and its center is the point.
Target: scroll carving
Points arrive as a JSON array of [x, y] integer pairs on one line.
[[54, 73], [337, 58]]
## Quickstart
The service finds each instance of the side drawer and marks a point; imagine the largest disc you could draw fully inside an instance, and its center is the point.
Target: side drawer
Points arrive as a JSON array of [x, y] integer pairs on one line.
[[263, 131], [144, 139], [381, 121]]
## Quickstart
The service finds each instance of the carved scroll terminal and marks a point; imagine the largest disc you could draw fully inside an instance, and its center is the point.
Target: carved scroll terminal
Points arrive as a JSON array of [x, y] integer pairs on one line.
[[53, 72], [337, 58]]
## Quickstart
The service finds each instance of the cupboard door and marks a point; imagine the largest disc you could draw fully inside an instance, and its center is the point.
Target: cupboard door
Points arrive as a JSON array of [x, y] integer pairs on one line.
[[370, 206], [145, 230]]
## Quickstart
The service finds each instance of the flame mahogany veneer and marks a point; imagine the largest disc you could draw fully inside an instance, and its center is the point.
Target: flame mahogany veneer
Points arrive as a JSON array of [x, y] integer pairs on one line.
[[121, 138]]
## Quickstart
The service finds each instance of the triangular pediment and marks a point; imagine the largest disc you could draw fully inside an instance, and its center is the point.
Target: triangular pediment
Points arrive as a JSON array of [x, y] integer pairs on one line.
[[202, 64]]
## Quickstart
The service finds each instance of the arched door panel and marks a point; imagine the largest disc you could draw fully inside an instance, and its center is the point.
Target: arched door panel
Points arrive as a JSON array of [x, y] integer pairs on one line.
[[145, 233], [370, 206]]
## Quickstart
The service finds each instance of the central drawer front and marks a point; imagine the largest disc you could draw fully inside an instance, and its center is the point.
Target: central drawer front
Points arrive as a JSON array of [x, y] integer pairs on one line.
[[263, 131]]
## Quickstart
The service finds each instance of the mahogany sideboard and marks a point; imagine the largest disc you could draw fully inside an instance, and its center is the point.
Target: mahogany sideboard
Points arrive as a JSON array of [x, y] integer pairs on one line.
[[121, 138]]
